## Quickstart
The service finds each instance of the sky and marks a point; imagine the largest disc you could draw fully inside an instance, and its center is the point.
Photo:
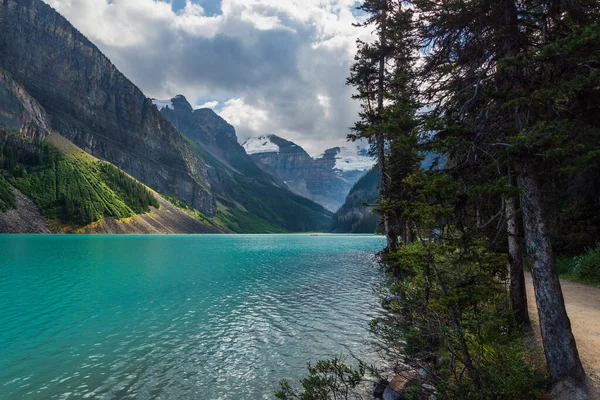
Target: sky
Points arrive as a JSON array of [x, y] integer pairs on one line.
[[266, 66]]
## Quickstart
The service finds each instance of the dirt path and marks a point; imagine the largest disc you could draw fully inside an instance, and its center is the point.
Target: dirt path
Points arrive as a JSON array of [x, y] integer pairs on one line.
[[583, 307]]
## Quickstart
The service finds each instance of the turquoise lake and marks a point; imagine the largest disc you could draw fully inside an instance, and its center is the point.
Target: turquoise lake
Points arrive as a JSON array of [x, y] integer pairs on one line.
[[179, 317]]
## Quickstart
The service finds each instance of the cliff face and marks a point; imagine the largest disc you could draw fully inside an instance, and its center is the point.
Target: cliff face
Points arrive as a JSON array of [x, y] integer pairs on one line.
[[318, 179], [19, 112], [210, 132], [92, 104]]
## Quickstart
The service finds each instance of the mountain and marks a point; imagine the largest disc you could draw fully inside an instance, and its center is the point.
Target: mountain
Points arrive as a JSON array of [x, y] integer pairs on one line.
[[68, 186], [353, 216], [326, 179], [207, 130], [80, 95], [240, 181]]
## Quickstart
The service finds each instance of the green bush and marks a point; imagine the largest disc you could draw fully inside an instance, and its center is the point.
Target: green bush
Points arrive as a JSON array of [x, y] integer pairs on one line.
[[587, 266], [584, 268], [564, 265], [454, 315], [328, 379]]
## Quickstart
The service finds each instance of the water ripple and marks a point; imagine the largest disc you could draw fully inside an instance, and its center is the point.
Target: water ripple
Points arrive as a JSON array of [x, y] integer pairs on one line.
[[178, 317]]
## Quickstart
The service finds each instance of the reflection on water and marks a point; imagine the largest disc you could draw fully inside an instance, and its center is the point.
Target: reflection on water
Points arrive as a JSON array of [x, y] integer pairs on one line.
[[178, 317]]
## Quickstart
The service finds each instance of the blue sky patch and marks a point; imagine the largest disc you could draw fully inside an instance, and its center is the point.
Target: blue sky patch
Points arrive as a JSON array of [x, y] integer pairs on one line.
[[211, 7]]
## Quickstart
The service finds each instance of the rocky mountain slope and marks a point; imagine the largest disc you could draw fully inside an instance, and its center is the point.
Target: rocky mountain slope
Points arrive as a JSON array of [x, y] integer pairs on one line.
[[238, 178], [353, 216], [82, 96], [326, 179]]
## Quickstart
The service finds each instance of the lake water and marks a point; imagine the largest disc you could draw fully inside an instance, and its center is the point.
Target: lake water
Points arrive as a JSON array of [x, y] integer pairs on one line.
[[178, 317]]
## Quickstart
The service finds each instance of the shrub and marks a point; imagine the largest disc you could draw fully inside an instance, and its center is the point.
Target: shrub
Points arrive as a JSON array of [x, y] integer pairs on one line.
[[587, 266], [455, 319], [328, 379]]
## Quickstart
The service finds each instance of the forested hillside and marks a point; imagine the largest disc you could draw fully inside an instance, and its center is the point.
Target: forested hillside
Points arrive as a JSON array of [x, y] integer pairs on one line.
[[356, 214], [72, 188]]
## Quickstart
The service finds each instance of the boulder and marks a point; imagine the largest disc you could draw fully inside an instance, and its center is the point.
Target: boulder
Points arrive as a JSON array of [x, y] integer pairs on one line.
[[389, 300], [391, 394], [379, 388]]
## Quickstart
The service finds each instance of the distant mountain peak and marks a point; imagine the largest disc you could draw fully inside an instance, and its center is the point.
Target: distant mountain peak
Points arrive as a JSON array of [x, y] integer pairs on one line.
[[261, 144], [160, 104], [347, 159], [326, 179], [178, 102]]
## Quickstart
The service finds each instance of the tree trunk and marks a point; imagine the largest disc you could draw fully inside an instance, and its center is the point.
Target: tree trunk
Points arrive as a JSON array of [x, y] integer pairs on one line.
[[410, 236], [518, 294], [388, 225], [560, 349]]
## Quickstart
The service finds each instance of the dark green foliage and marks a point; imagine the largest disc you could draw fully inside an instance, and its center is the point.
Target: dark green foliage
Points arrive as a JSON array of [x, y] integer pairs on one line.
[[454, 310], [583, 268], [355, 215], [70, 191], [7, 197], [276, 207], [135, 195], [74, 188], [243, 222], [328, 379]]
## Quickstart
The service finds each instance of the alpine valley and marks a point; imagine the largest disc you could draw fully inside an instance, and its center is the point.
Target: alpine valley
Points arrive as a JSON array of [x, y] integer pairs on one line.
[[325, 179], [82, 149]]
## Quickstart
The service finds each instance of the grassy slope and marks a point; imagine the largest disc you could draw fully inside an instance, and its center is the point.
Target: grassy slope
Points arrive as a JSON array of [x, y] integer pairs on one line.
[[69, 187], [73, 189]]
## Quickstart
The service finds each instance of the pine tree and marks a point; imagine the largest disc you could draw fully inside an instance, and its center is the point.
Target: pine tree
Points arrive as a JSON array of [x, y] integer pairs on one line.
[[382, 75], [510, 77]]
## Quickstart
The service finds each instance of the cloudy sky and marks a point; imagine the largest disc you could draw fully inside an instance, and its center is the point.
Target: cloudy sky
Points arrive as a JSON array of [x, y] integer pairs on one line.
[[266, 66]]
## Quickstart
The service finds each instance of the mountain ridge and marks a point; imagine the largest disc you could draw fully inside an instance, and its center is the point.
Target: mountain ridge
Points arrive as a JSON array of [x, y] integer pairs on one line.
[[248, 182], [318, 179], [92, 104]]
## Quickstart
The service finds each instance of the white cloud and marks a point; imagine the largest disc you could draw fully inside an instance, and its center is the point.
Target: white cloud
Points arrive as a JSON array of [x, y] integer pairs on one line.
[[274, 66], [325, 102], [208, 104], [248, 120]]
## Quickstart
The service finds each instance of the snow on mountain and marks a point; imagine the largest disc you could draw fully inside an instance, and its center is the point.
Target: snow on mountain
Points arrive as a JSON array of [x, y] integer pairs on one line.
[[160, 104], [262, 144], [353, 159]]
